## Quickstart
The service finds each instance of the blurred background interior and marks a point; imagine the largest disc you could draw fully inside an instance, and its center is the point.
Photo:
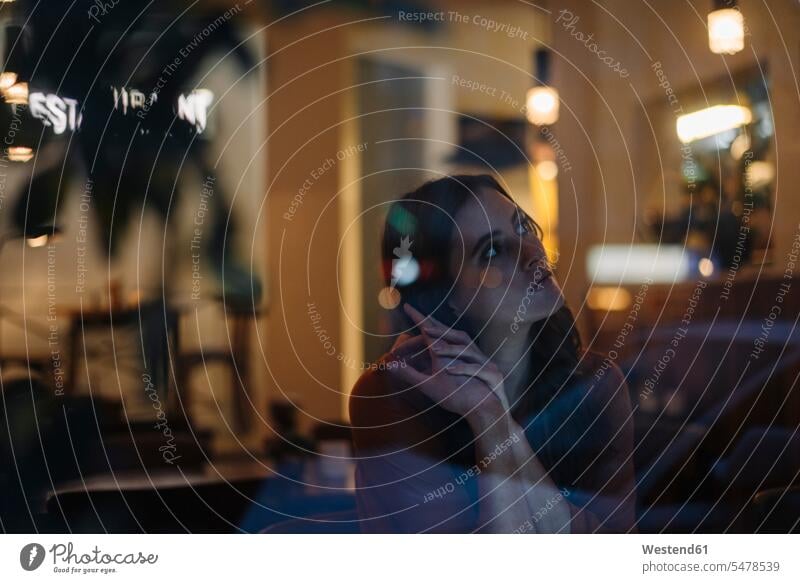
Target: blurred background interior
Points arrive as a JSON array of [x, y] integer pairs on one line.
[[191, 199]]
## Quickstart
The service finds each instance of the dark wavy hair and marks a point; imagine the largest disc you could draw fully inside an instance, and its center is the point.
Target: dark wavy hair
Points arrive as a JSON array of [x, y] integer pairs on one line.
[[426, 216]]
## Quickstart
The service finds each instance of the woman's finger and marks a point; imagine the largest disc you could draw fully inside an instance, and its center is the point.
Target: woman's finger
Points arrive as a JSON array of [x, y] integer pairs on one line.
[[410, 375], [460, 351], [407, 345], [422, 320], [450, 334], [412, 351], [436, 363], [443, 353], [437, 338], [490, 375], [435, 328], [416, 316]]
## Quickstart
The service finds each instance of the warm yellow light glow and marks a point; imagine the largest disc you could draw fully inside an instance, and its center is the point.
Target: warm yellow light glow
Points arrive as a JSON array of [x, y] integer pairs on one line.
[[134, 297], [7, 79], [542, 106], [740, 145], [726, 31], [705, 266], [543, 207], [547, 170], [711, 121], [609, 299], [39, 241], [389, 298], [16, 94], [617, 264], [758, 174], [20, 153]]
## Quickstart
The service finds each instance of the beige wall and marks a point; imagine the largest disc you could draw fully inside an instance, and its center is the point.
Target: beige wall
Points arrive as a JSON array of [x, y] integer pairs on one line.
[[302, 251], [298, 361]]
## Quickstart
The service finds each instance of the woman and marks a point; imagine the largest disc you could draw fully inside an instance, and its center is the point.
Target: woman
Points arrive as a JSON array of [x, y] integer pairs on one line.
[[486, 415]]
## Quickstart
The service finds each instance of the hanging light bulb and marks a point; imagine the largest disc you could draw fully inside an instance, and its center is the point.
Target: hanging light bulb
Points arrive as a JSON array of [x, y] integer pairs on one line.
[[541, 104], [547, 170], [7, 79], [17, 94], [725, 28], [20, 153]]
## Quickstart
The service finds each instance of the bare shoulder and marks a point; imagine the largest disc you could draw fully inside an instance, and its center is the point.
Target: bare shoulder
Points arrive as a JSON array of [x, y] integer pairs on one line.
[[370, 389], [388, 416], [381, 388], [378, 377], [378, 394]]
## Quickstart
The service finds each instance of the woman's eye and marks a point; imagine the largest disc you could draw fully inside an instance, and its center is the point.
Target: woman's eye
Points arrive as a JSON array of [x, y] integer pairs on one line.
[[491, 251], [524, 227]]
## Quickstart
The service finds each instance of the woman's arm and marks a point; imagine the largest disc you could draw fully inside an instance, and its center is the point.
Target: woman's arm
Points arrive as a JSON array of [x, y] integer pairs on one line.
[[604, 490], [517, 495], [405, 482], [515, 492], [605, 487], [602, 497]]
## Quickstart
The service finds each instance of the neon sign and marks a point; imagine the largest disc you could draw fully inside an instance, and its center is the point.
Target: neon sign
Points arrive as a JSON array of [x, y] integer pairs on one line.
[[64, 113]]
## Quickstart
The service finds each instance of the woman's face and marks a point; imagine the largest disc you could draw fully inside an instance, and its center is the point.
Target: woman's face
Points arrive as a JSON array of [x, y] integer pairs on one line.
[[500, 266]]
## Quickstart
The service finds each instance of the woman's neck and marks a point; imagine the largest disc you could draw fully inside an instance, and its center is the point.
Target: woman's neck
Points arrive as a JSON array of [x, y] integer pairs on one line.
[[510, 352]]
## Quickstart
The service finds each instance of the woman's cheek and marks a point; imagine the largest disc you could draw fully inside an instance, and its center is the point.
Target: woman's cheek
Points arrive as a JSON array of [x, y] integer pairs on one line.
[[491, 277]]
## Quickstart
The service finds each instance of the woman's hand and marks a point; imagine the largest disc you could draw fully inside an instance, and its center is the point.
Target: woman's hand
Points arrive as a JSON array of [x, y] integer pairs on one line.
[[460, 377], [447, 366]]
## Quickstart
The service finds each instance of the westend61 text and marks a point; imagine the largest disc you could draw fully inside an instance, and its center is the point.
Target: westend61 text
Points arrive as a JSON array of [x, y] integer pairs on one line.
[[673, 550]]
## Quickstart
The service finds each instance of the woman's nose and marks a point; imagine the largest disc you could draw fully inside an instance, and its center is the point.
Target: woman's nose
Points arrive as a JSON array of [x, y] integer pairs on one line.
[[533, 258]]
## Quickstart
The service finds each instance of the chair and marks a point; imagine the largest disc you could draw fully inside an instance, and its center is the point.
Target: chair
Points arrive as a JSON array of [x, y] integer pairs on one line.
[[764, 457]]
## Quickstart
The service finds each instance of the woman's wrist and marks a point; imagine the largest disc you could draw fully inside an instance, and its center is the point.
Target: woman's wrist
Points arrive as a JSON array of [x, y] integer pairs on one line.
[[490, 415]]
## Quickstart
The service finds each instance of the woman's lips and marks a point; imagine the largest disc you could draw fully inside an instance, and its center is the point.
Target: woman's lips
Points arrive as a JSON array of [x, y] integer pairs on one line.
[[534, 280], [541, 277]]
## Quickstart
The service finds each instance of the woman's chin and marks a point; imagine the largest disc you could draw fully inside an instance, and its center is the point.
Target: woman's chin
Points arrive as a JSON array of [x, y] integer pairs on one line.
[[549, 302], [544, 308]]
